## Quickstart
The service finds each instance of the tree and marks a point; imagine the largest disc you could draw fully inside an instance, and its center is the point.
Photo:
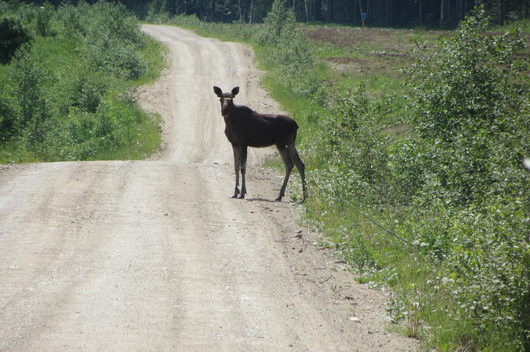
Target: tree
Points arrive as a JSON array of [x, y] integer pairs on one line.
[[12, 36]]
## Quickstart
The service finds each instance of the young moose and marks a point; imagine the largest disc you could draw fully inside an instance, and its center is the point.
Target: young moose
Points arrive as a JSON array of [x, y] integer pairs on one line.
[[247, 128]]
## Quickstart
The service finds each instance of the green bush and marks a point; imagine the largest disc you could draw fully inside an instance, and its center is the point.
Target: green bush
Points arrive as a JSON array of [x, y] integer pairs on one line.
[[7, 115], [44, 20], [12, 36], [470, 109], [467, 209], [30, 77], [279, 23], [66, 97], [288, 48]]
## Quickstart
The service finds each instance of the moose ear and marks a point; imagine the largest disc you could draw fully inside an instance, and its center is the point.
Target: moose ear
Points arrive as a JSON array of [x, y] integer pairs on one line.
[[218, 91], [235, 91]]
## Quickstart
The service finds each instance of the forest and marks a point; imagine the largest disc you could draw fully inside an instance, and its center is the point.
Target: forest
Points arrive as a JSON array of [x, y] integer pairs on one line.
[[382, 13]]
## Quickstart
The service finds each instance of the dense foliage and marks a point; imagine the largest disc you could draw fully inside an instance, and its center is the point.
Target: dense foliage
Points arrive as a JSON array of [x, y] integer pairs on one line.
[[12, 36], [453, 190], [472, 107], [64, 93]]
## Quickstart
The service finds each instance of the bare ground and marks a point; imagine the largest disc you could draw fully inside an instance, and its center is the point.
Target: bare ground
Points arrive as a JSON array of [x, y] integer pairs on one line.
[[154, 255]]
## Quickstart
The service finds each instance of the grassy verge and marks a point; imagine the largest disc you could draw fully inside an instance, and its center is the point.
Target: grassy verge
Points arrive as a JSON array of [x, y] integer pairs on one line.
[[66, 93]]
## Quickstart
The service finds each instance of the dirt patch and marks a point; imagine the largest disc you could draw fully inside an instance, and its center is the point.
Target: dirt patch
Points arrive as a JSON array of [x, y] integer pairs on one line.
[[348, 64], [369, 50], [348, 37]]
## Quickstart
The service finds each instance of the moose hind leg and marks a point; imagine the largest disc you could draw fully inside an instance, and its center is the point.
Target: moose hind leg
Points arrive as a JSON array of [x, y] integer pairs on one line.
[[288, 167], [300, 166], [237, 167]]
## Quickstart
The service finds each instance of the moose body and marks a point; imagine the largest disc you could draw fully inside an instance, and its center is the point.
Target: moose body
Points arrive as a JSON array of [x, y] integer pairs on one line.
[[248, 128]]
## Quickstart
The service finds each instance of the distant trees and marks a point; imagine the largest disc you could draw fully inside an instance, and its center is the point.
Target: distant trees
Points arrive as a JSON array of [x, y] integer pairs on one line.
[[394, 13], [383, 13]]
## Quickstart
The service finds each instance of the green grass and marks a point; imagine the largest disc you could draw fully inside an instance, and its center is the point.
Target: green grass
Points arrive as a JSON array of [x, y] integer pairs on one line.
[[154, 55], [524, 25]]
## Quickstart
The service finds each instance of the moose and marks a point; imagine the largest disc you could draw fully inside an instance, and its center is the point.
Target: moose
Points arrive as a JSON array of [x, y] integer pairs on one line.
[[248, 128]]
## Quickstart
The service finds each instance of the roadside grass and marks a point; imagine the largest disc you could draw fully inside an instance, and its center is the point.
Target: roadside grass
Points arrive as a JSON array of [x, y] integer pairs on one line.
[[80, 105], [146, 137], [153, 54]]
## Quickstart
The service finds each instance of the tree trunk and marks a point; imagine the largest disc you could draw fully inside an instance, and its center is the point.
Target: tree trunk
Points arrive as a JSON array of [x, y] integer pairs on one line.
[[441, 13], [503, 12], [318, 10], [250, 11], [419, 6], [388, 13]]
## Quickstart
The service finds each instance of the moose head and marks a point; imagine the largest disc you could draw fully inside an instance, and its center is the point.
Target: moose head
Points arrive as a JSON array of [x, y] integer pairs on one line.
[[226, 99]]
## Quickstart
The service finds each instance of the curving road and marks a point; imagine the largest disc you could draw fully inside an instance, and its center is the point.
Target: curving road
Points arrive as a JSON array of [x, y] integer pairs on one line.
[[154, 255]]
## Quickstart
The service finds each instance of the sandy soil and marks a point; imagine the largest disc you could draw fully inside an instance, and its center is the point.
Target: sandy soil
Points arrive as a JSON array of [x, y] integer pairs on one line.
[[154, 255]]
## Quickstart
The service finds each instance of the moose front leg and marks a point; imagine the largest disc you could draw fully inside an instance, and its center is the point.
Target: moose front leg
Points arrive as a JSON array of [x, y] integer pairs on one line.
[[237, 167], [243, 156]]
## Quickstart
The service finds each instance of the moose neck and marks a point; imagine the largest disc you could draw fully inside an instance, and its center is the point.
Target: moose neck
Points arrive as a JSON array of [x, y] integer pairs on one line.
[[227, 109]]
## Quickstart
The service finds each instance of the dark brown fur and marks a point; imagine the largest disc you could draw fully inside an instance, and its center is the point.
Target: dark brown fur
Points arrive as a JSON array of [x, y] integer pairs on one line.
[[248, 128]]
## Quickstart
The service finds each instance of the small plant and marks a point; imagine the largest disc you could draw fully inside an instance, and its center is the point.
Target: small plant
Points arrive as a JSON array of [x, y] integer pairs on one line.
[[30, 77], [44, 19], [279, 23]]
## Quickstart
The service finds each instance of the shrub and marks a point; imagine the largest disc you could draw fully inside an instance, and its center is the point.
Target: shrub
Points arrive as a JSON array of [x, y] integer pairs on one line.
[[66, 97], [471, 120], [30, 76], [12, 36], [279, 23], [470, 109], [443, 210], [289, 49], [88, 91], [44, 18], [8, 117]]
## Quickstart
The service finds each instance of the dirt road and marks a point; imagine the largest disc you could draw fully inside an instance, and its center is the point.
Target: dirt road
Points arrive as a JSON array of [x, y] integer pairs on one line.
[[154, 255]]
